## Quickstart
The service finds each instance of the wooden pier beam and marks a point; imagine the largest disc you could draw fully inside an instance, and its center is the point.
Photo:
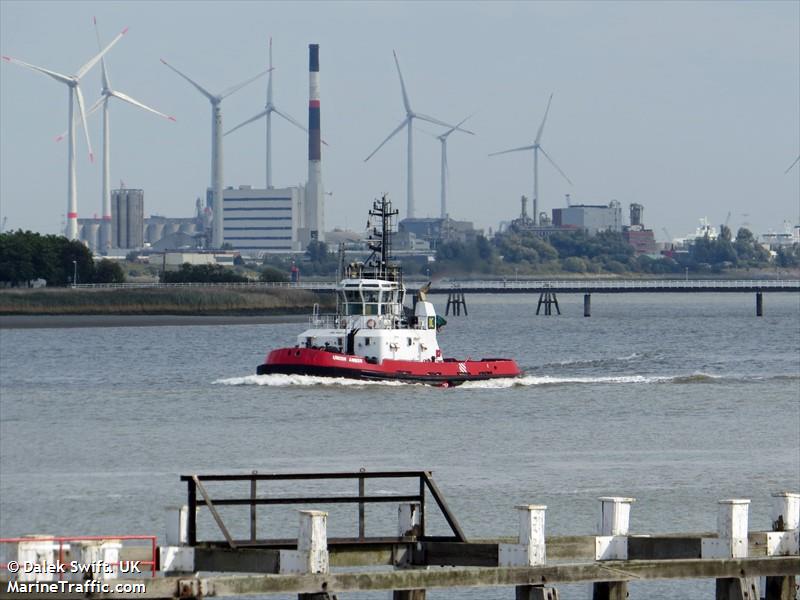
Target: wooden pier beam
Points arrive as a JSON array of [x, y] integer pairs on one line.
[[785, 541], [612, 543]]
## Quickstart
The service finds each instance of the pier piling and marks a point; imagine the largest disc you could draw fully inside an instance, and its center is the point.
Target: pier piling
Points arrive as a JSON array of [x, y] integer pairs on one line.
[[456, 301], [548, 300], [587, 305], [731, 542], [759, 304], [612, 543], [784, 541]]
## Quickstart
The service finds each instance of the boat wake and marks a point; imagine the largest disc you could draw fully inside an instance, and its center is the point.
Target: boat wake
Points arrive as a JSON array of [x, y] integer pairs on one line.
[[593, 362], [694, 378], [279, 380]]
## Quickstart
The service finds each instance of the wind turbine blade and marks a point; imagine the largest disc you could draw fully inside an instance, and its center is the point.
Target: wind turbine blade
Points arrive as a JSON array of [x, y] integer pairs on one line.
[[388, 137], [552, 162], [106, 83], [444, 159], [98, 103], [442, 123], [238, 86], [82, 111], [293, 122], [200, 89], [512, 150], [129, 100], [269, 79], [797, 160], [53, 74], [93, 61], [406, 103], [541, 127], [456, 128], [290, 119], [250, 120]]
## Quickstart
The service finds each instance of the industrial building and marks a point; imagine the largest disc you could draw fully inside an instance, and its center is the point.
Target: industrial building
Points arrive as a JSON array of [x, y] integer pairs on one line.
[[590, 217], [414, 234], [643, 240], [265, 220], [127, 218]]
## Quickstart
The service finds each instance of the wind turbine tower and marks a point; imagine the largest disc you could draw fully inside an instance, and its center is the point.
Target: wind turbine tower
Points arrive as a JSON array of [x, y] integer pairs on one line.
[[537, 147], [73, 84], [408, 122], [445, 171], [267, 112], [217, 236], [105, 95]]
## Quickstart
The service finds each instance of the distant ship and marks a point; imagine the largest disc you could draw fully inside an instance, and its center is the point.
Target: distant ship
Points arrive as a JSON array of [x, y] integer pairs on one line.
[[373, 336]]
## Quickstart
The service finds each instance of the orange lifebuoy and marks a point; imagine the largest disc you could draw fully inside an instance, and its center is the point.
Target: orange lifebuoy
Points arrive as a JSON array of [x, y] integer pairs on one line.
[[371, 323]]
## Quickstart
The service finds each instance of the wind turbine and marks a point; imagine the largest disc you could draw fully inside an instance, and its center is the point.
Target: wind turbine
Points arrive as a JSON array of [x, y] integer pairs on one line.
[[73, 83], [797, 160], [216, 147], [267, 112], [106, 94], [537, 147], [408, 122], [443, 139]]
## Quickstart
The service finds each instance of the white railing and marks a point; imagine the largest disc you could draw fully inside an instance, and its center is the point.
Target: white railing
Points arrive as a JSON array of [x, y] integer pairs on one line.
[[499, 285]]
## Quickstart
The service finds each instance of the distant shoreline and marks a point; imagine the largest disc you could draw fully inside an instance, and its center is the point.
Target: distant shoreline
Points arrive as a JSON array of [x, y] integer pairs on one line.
[[72, 321]]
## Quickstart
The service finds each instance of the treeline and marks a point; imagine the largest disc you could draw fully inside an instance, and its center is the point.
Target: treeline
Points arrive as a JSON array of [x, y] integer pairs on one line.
[[26, 257], [188, 273], [606, 252]]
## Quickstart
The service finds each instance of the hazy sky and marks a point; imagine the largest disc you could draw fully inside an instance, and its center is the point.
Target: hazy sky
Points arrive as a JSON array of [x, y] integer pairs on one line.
[[689, 108]]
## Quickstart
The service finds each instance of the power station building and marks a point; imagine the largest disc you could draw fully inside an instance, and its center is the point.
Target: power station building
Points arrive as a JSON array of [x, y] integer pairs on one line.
[[265, 220], [127, 218]]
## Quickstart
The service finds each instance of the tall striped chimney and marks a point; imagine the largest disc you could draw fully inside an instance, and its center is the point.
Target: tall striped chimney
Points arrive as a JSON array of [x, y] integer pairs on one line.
[[315, 216]]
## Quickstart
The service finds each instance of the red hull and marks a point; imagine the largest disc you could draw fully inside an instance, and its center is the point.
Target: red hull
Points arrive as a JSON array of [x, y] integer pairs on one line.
[[306, 361]]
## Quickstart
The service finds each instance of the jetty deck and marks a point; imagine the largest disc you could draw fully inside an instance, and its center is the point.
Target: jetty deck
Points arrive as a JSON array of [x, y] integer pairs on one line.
[[316, 567]]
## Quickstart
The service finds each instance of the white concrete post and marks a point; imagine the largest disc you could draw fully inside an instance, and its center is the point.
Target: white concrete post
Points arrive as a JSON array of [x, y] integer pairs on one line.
[[785, 511], [612, 527], [784, 539], [530, 547], [311, 555], [102, 553], [177, 525], [731, 540], [176, 556], [41, 552], [408, 519]]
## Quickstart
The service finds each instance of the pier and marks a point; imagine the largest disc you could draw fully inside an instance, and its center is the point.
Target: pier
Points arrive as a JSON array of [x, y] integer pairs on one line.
[[243, 559]]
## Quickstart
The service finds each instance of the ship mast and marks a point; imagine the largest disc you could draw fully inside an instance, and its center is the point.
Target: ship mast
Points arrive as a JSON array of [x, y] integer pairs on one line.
[[381, 241]]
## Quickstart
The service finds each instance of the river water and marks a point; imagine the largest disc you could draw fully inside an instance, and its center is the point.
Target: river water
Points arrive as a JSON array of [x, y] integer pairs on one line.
[[676, 400]]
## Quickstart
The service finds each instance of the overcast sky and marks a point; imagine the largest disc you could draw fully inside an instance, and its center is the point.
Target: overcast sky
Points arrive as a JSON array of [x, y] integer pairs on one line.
[[689, 108]]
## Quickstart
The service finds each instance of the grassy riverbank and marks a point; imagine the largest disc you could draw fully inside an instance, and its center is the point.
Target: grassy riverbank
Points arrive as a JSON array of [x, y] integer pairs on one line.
[[154, 301]]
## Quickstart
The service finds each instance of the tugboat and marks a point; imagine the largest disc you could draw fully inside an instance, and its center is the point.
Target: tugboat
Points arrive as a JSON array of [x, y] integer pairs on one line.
[[373, 336]]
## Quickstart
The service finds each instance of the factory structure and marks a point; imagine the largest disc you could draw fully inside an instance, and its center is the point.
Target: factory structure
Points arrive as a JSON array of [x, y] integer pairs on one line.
[[591, 218], [251, 221]]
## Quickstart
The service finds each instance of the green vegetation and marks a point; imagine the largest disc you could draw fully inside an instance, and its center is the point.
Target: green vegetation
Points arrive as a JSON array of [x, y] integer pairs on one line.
[[522, 252], [161, 301], [202, 274], [26, 256]]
